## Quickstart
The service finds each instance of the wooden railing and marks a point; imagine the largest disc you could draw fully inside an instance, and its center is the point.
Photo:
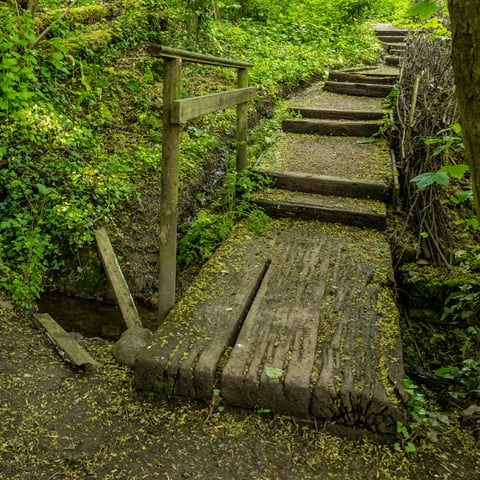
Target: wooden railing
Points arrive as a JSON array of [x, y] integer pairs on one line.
[[176, 112]]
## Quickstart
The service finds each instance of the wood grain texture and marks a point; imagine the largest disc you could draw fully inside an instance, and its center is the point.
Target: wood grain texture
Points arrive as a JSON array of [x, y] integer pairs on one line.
[[65, 345], [361, 89], [117, 280], [337, 128]]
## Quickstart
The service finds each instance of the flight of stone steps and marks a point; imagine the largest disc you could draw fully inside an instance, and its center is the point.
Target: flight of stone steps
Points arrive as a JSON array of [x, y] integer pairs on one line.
[[335, 126]]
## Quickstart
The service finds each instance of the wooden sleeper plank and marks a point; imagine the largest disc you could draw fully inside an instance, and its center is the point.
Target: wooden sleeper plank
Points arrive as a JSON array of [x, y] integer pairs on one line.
[[327, 185], [338, 76], [271, 361], [331, 114], [316, 207], [359, 89], [117, 280], [183, 356], [337, 128], [66, 346]]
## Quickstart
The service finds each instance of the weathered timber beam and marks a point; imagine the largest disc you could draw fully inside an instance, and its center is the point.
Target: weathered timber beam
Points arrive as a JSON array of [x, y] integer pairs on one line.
[[362, 89], [65, 345], [327, 185], [337, 128], [331, 114], [117, 280], [307, 211], [359, 77], [189, 108], [167, 52]]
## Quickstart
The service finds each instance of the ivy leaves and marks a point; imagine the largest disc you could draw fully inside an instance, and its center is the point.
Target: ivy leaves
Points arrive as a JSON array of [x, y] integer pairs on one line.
[[423, 10]]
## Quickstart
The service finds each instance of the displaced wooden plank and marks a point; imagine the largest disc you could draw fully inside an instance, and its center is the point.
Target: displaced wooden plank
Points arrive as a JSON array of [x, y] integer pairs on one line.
[[327, 185], [337, 128], [271, 362], [331, 114], [360, 89], [338, 76], [190, 108], [65, 345], [186, 349], [326, 208], [117, 280]]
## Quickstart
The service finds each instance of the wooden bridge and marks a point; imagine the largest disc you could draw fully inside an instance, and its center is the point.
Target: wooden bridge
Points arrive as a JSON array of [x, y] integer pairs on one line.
[[301, 319]]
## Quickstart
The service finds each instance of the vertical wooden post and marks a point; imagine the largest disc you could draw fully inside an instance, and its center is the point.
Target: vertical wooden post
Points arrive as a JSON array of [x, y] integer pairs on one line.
[[242, 119], [169, 189]]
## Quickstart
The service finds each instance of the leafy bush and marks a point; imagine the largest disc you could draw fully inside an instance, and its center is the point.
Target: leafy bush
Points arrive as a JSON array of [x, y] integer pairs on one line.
[[55, 182]]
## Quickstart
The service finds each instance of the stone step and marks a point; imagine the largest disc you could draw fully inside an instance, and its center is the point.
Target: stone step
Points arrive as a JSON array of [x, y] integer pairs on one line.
[[327, 185], [365, 128], [393, 60], [391, 32], [360, 89], [338, 76], [332, 114], [391, 38], [325, 208]]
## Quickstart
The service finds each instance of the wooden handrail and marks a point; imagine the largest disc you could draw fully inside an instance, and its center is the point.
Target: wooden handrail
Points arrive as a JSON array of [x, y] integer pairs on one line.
[[162, 51], [176, 112]]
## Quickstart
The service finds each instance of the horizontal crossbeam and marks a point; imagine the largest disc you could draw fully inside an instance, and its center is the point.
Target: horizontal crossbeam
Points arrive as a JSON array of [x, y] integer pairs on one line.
[[189, 108]]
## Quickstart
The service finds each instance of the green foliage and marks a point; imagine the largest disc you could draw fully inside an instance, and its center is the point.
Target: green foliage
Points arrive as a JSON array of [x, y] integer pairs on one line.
[[446, 145], [423, 10], [467, 377], [447, 142], [18, 67], [55, 183], [422, 424], [429, 16], [212, 226], [430, 178]]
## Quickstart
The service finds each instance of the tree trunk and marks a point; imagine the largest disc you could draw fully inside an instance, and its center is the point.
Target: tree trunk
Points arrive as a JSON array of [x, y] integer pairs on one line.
[[466, 64]]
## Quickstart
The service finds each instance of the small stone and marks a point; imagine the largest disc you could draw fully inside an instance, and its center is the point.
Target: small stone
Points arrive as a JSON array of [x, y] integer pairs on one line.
[[131, 342], [471, 411]]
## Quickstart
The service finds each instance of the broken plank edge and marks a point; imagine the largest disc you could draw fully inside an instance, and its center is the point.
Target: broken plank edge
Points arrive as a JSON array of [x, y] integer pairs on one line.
[[68, 349]]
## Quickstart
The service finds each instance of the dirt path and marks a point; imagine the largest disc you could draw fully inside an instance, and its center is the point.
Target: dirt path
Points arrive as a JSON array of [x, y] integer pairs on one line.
[[62, 423]]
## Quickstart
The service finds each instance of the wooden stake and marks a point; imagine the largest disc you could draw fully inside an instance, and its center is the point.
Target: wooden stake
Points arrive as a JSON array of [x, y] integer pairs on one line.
[[242, 120], [117, 280], [169, 190]]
